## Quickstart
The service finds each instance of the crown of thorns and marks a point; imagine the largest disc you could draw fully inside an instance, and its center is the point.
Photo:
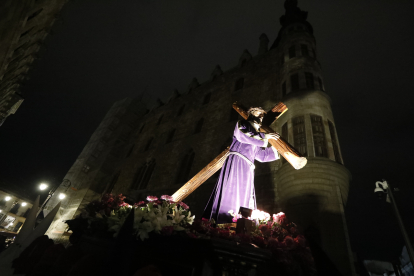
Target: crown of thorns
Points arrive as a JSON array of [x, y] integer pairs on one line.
[[253, 109]]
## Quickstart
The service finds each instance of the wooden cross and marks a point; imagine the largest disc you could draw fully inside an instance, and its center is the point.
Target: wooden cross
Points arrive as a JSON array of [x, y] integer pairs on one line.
[[281, 145]]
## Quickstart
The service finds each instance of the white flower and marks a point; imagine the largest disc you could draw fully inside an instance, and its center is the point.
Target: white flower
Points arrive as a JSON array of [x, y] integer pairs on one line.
[[177, 216], [143, 230], [190, 219]]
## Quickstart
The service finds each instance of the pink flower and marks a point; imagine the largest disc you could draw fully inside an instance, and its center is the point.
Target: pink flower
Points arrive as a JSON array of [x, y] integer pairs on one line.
[[152, 198], [279, 217], [182, 204], [167, 197]]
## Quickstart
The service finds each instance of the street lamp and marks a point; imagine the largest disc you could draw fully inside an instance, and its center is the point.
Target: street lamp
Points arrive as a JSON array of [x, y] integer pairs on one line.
[[7, 198], [62, 196], [24, 204], [385, 188], [43, 186]]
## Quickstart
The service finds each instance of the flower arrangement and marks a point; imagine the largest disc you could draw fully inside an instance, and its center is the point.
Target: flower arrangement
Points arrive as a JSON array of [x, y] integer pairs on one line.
[[274, 233], [161, 216], [105, 218]]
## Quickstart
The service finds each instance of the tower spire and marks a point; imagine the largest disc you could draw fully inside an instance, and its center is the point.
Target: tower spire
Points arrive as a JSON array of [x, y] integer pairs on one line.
[[293, 13]]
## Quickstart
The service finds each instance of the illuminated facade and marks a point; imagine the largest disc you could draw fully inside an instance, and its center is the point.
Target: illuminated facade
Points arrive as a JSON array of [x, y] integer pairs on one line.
[[167, 145]]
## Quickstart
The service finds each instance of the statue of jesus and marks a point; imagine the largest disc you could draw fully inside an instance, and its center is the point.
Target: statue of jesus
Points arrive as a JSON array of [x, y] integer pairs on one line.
[[235, 187]]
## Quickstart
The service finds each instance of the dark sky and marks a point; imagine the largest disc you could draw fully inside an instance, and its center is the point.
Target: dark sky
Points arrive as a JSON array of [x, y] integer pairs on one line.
[[103, 51]]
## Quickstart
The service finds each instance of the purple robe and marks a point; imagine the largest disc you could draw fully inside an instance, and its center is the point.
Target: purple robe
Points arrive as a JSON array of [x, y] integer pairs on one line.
[[235, 187]]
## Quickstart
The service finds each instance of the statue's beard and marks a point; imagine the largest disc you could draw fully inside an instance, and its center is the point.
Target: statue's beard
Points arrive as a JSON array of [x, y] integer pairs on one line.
[[254, 119]]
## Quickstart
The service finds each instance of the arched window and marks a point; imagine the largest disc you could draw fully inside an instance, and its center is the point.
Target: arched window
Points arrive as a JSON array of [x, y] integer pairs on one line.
[[199, 126], [149, 143], [299, 134], [207, 98], [185, 168], [170, 136], [294, 82], [143, 175], [239, 84], [180, 111], [319, 140], [304, 50]]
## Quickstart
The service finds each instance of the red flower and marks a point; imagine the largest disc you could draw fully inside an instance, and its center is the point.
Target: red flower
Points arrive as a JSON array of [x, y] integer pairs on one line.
[[182, 204], [301, 240]]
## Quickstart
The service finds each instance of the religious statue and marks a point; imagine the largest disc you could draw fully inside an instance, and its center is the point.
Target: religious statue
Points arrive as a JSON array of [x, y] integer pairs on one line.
[[235, 187]]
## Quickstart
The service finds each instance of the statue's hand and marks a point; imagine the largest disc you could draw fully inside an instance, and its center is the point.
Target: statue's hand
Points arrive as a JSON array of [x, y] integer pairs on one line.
[[273, 136]]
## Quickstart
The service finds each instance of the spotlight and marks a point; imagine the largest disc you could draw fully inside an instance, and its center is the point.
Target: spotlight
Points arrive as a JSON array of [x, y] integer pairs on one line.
[[7, 198], [24, 204], [62, 196]]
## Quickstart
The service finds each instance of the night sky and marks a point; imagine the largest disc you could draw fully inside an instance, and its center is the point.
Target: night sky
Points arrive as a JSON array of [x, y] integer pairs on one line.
[[101, 51]]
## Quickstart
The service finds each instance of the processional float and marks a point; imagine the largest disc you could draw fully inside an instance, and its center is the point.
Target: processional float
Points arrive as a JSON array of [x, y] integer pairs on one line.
[[281, 145]]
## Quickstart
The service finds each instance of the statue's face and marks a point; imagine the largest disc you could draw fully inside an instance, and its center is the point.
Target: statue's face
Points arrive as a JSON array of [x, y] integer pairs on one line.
[[258, 114]]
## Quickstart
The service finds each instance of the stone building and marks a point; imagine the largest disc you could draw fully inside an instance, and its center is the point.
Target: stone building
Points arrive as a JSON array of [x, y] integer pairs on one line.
[[165, 146], [23, 27], [14, 208]]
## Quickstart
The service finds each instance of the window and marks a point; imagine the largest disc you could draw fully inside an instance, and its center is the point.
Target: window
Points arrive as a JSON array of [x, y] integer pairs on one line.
[[319, 140], [310, 84], [33, 15], [141, 129], [86, 168], [180, 111], [112, 183], [320, 84], [143, 175], [207, 98], [149, 143], [26, 32], [292, 52], [160, 120], [284, 89], [239, 84], [15, 209], [334, 142], [299, 135], [170, 136], [199, 126], [294, 82], [304, 50], [185, 168], [285, 136]]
